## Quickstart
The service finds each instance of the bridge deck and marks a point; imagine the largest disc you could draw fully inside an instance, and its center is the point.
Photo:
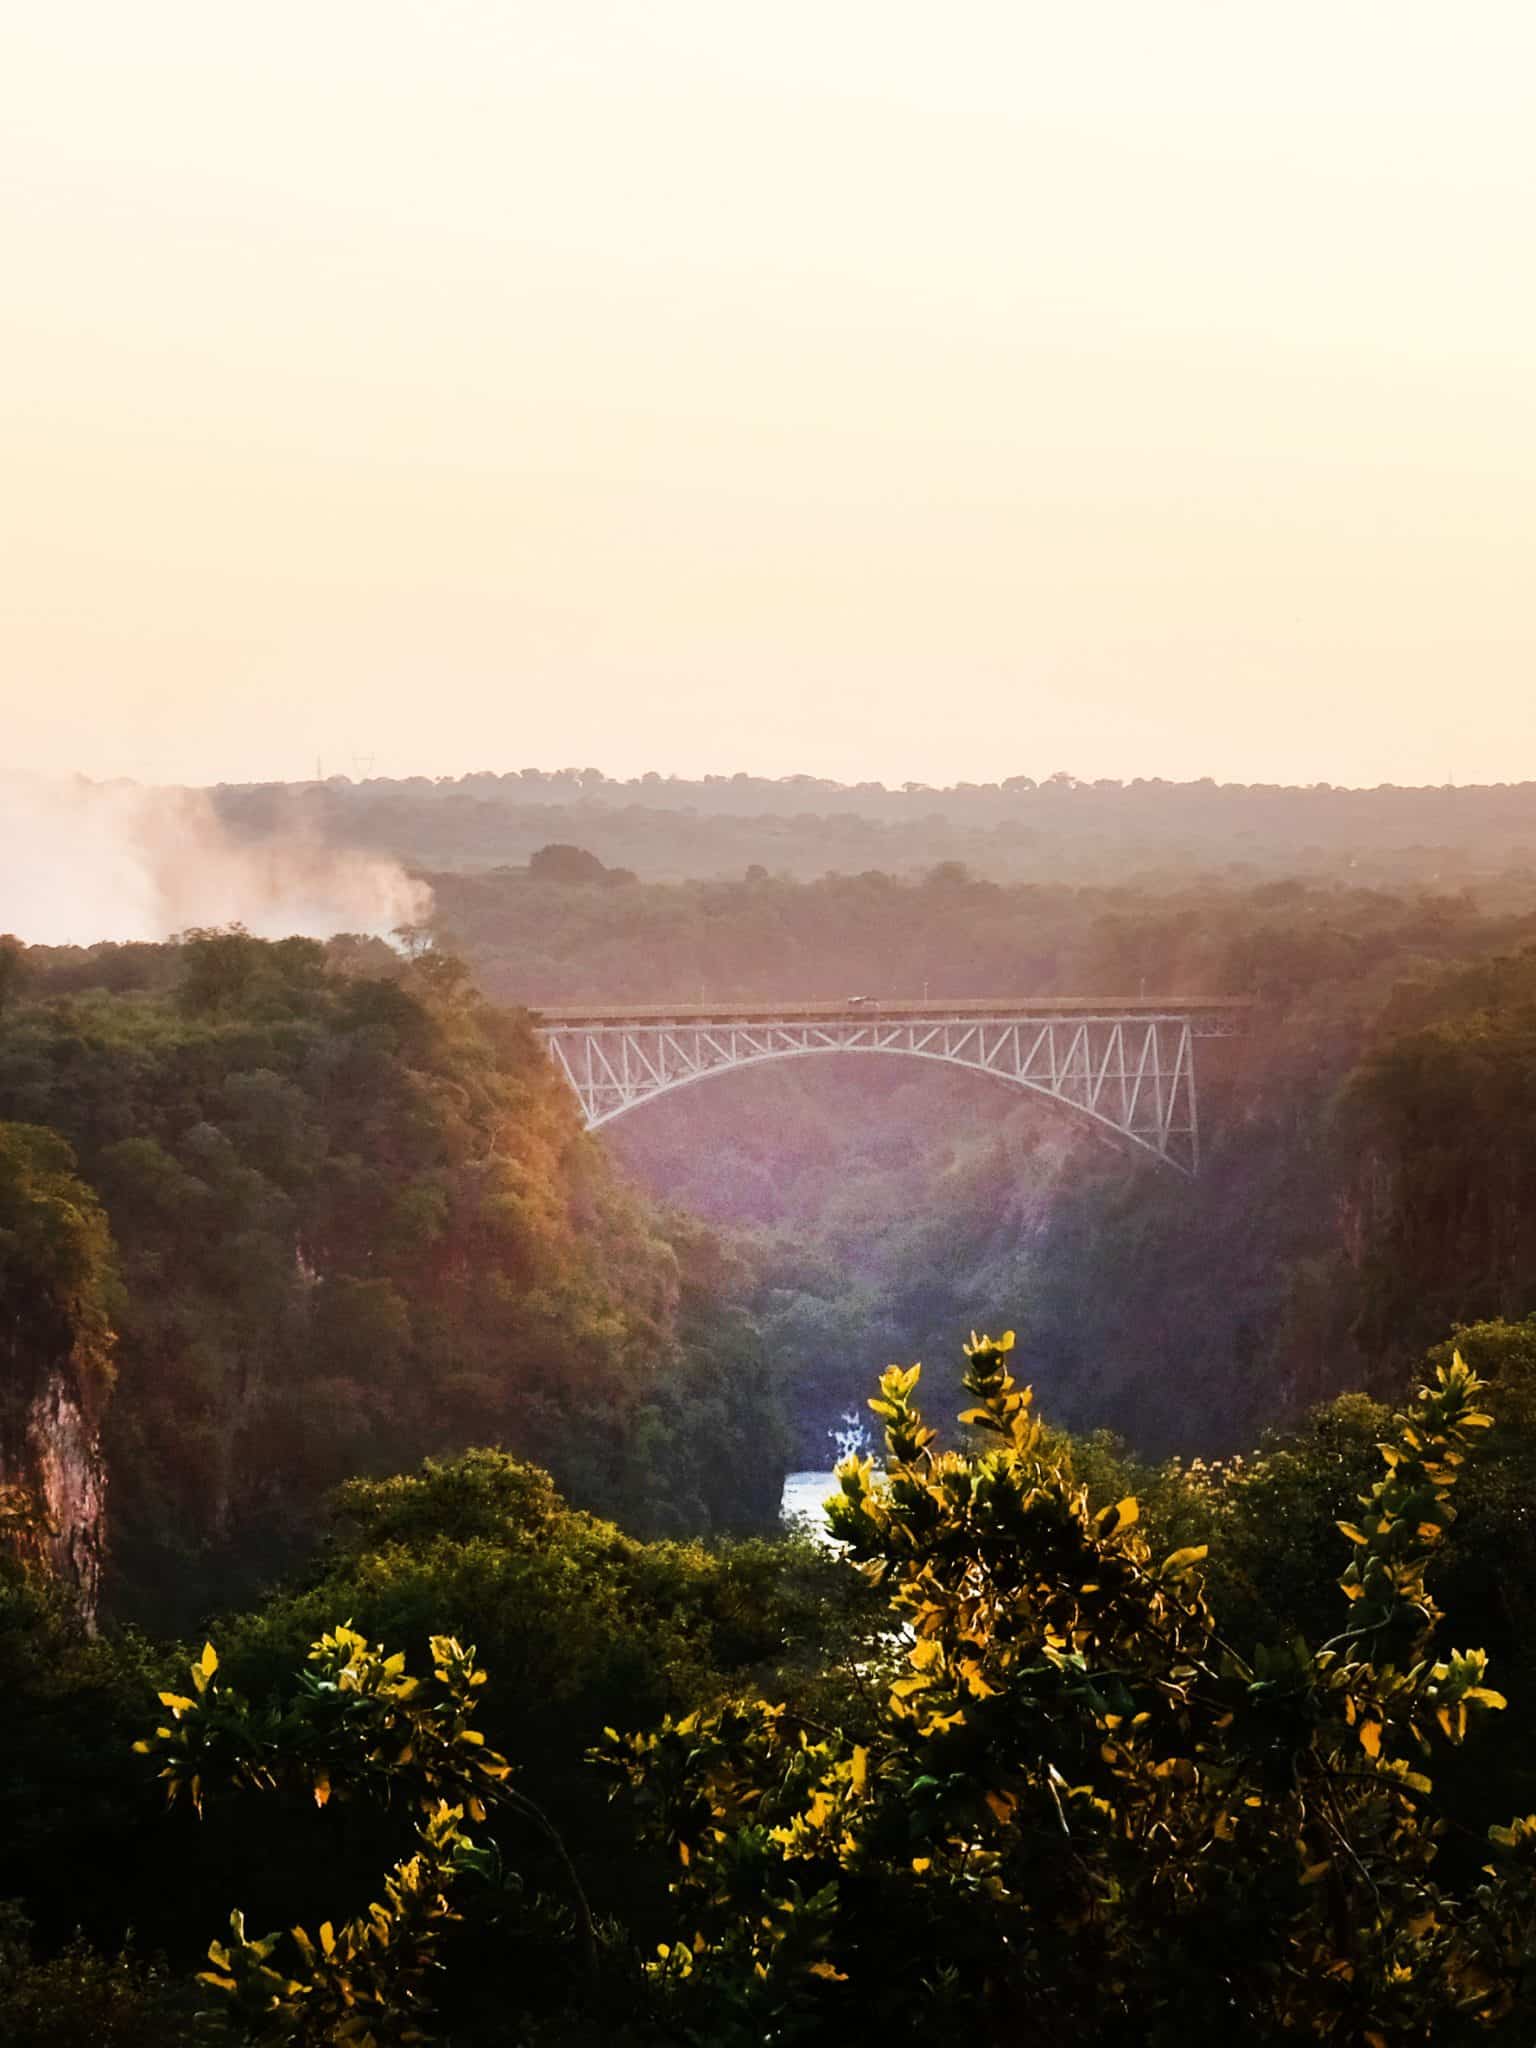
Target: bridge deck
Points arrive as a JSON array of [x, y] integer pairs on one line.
[[890, 1009]]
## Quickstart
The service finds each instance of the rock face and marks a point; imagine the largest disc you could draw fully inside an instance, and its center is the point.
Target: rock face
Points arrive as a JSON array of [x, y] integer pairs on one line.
[[52, 1482], [55, 1362]]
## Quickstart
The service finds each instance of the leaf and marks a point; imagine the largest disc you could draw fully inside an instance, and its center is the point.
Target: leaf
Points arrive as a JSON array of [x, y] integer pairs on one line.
[[1180, 1561], [208, 1663], [1486, 1696]]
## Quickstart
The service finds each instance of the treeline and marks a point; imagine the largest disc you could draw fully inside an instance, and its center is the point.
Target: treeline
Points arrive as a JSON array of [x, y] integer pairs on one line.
[[1053, 826], [346, 1216], [531, 940]]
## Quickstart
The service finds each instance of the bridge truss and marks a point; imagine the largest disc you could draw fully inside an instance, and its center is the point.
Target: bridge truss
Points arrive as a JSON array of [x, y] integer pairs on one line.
[[1128, 1068]]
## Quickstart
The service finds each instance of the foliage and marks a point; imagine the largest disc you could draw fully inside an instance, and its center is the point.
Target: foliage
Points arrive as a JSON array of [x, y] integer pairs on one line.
[[356, 1221], [1021, 825], [56, 1272], [1451, 1109], [572, 864], [997, 1777], [359, 1727], [1085, 1813], [581, 1623], [13, 967], [78, 1998]]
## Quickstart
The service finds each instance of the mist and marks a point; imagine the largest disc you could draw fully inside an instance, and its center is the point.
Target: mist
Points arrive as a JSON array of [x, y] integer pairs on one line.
[[83, 861]]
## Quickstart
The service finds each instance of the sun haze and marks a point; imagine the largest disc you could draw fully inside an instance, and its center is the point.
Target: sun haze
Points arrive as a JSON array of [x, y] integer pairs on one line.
[[868, 389]]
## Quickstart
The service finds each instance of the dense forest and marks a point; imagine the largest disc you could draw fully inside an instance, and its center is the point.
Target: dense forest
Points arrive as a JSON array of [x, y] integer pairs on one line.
[[341, 1214], [420, 1455]]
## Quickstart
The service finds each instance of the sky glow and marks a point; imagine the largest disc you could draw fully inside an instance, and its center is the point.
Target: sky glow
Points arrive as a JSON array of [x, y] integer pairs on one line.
[[875, 390]]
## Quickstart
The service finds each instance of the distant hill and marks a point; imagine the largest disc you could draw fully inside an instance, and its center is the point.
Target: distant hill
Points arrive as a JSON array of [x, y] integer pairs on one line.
[[666, 828]]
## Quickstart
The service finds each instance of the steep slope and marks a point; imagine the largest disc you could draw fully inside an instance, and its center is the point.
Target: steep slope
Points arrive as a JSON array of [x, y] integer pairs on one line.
[[357, 1221], [55, 1350]]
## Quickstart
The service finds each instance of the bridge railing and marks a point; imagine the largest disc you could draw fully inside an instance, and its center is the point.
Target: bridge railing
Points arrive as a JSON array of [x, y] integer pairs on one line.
[[1197, 1008]]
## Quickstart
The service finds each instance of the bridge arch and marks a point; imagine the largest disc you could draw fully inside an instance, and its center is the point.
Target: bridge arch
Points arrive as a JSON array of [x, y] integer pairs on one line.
[[1126, 1067]]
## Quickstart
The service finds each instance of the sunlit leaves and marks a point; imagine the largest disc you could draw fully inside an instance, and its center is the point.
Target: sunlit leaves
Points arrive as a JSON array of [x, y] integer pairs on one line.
[[1074, 1779], [360, 1725]]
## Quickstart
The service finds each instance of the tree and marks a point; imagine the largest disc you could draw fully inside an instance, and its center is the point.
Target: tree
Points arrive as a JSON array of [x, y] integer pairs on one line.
[[13, 968], [220, 969], [56, 1271], [1083, 1814], [359, 1727], [76, 1998], [561, 863]]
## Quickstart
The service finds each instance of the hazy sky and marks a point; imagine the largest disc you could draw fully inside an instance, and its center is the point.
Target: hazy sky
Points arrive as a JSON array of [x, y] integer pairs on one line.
[[855, 386]]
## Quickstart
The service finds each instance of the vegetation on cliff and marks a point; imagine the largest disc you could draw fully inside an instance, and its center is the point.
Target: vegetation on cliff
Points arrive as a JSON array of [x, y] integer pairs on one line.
[[354, 1220]]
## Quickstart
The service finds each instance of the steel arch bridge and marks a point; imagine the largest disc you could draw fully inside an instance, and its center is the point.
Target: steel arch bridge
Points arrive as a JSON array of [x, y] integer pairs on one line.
[[1125, 1064]]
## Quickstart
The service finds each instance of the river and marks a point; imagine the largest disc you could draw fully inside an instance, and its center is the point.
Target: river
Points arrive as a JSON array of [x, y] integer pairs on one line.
[[804, 1493]]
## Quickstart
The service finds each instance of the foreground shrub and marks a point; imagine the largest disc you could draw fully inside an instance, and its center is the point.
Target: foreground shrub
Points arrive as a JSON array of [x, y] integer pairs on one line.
[[1083, 1815]]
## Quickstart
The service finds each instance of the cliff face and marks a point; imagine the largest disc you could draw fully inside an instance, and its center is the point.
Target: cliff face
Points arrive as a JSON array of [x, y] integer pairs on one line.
[[55, 1361], [52, 1481]]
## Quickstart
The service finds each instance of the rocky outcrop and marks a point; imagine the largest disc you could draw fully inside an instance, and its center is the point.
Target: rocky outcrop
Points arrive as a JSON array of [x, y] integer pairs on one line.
[[55, 1362], [53, 1482]]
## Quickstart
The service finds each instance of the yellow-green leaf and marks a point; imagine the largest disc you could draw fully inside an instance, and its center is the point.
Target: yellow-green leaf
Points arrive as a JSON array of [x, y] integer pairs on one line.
[[1181, 1560]]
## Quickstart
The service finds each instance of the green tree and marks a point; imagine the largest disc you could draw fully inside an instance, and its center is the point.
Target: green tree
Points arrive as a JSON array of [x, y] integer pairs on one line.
[[56, 1269], [359, 1727], [13, 968], [1084, 1814]]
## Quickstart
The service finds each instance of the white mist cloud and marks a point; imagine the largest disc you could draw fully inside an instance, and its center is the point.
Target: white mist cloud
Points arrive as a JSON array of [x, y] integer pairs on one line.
[[83, 861]]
